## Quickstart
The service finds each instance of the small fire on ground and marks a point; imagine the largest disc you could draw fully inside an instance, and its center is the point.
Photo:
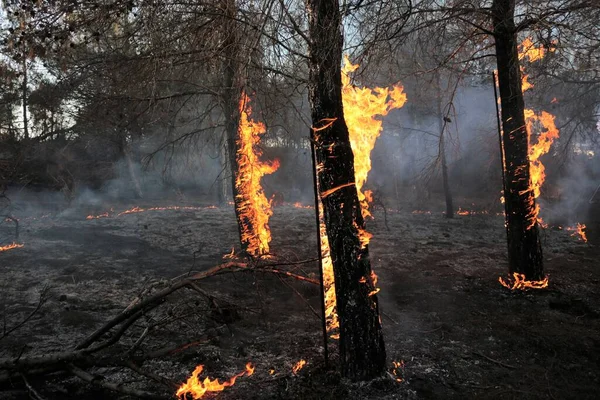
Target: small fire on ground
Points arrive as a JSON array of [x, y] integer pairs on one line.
[[398, 370], [298, 366], [196, 388], [136, 209], [11, 246], [519, 282]]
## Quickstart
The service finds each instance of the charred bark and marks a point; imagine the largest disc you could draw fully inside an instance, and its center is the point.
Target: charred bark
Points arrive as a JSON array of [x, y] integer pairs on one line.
[[524, 247], [24, 100], [443, 120], [231, 98], [362, 350]]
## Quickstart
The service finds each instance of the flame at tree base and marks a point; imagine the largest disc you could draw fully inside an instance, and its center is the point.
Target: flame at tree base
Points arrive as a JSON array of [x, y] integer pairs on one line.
[[196, 388], [519, 282]]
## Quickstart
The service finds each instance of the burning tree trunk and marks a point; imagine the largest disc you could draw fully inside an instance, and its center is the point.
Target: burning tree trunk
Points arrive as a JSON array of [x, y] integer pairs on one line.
[[362, 349], [231, 98], [524, 247]]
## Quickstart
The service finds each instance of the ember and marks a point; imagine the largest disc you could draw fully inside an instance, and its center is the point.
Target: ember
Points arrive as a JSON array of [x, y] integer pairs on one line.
[[253, 206], [196, 388]]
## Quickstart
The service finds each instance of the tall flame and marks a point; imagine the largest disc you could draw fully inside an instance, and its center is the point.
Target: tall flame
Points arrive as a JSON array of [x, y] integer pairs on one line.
[[542, 124], [197, 388], [363, 109], [253, 207]]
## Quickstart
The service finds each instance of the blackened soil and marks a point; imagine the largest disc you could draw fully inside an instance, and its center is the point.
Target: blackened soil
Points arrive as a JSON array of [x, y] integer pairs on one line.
[[459, 333]]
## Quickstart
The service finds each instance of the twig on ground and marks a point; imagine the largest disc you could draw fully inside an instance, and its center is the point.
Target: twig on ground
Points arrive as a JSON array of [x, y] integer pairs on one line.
[[495, 361]]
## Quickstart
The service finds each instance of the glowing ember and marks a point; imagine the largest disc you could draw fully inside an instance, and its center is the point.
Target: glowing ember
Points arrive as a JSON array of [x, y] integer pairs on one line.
[[11, 246], [579, 230], [397, 370], [519, 282], [253, 206], [363, 108], [196, 388], [298, 366]]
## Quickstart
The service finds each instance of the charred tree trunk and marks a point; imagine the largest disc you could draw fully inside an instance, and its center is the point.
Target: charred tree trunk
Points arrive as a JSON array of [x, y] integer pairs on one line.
[[231, 98], [442, 124], [24, 102], [362, 349], [524, 247], [447, 193]]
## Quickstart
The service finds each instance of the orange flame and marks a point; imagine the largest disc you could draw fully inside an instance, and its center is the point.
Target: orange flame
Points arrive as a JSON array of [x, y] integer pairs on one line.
[[254, 208], [519, 282], [544, 123], [196, 388], [579, 230], [298, 366], [138, 209], [397, 369], [11, 246], [363, 108]]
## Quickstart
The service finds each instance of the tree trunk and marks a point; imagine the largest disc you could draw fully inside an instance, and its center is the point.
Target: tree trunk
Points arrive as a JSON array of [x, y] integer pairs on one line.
[[447, 193], [524, 247], [231, 98], [24, 102], [362, 350], [442, 125]]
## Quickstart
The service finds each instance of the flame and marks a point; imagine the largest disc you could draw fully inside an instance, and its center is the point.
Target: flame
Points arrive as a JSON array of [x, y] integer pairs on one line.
[[578, 230], [331, 316], [397, 369], [298, 366], [253, 207], [519, 282], [196, 388], [363, 108], [544, 124], [11, 246], [300, 205], [137, 209]]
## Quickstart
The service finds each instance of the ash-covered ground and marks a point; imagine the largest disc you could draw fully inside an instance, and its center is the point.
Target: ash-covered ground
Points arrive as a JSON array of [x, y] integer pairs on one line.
[[459, 333]]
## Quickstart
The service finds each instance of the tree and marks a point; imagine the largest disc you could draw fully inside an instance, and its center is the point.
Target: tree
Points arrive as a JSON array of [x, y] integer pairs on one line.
[[362, 349], [524, 246]]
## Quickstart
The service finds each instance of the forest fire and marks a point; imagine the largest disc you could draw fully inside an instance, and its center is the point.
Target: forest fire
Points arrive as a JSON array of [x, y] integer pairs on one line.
[[519, 282], [11, 246], [197, 388], [252, 205]]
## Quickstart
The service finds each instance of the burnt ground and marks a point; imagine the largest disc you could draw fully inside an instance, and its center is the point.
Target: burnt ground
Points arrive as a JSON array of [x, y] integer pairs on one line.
[[458, 331]]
